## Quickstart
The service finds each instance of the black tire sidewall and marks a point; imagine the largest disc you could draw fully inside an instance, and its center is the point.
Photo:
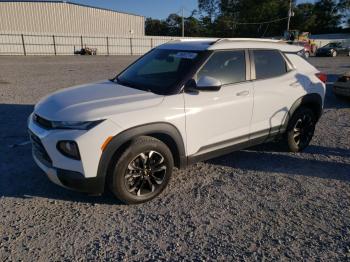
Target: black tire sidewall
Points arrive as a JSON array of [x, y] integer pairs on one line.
[[292, 145], [137, 146]]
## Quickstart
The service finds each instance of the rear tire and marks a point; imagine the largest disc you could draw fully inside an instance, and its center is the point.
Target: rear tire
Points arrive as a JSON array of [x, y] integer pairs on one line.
[[334, 54], [142, 171], [300, 130]]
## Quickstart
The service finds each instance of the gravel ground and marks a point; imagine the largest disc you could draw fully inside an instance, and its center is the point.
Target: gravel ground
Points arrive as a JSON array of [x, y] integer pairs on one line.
[[256, 204]]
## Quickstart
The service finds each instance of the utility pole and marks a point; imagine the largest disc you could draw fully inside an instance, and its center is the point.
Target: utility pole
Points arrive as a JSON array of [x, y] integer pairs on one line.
[[290, 13], [183, 22]]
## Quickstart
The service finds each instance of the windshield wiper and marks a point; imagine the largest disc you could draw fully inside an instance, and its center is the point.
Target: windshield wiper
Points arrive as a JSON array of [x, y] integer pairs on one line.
[[118, 81]]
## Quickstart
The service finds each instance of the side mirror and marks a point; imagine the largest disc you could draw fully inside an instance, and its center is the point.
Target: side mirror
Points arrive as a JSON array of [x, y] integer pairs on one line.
[[204, 83]]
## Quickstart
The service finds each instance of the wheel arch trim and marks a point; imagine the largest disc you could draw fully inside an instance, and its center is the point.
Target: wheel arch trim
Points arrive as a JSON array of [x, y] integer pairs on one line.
[[161, 128], [313, 99]]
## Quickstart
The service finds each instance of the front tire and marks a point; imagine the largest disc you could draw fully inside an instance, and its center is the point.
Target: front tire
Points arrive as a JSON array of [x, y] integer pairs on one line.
[[300, 130], [334, 54], [142, 171]]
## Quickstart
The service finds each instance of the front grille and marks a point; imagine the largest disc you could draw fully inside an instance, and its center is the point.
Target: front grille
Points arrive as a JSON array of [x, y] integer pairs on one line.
[[42, 121], [39, 149]]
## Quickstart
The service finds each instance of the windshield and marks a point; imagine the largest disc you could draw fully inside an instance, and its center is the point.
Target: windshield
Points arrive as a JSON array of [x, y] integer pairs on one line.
[[160, 71]]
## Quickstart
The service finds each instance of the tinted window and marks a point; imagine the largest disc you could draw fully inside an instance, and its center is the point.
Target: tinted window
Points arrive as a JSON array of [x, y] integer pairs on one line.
[[227, 66], [334, 45], [269, 63]]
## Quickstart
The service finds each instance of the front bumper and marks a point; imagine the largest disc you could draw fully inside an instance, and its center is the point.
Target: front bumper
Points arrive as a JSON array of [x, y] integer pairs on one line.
[[70, 179], [80, 175]]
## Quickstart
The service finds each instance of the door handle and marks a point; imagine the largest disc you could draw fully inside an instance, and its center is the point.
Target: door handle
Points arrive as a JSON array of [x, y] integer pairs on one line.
[[243, 93]]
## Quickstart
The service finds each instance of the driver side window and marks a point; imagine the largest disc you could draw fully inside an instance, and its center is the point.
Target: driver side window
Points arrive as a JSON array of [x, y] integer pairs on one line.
[[227, 66]]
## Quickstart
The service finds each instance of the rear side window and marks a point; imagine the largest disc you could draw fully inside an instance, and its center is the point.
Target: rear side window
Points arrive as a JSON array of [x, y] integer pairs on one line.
[[227, 66], [269, 63]]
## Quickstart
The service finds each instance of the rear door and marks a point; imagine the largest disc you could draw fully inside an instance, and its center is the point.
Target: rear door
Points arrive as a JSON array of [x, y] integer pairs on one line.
[[276, 87]]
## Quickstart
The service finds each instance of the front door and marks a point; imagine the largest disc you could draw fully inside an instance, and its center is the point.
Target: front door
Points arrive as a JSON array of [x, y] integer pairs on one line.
[[217, 119]]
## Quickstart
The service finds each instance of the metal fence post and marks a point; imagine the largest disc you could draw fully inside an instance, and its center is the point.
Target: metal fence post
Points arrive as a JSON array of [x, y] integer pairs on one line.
[[54, 44], [81, 42], [107, 45], [24, 46], [131, 52], [151, 43]]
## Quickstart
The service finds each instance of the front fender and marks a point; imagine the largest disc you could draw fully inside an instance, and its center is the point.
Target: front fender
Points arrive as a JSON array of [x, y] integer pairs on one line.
[[122, 138]]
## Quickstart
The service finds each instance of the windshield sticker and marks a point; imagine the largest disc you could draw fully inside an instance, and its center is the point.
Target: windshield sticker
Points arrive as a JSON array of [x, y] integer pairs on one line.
[[186, 55]]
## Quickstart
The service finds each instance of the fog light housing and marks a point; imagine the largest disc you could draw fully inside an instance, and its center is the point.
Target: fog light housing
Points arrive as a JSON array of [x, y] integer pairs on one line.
[[69, 149]]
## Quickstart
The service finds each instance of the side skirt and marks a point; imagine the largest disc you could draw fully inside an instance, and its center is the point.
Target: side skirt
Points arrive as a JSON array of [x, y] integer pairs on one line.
[[229, 146]]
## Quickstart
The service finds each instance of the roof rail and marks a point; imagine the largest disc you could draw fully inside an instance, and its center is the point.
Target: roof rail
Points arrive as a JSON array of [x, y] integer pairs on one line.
[[197, 39], [252, 39], [264, 40]]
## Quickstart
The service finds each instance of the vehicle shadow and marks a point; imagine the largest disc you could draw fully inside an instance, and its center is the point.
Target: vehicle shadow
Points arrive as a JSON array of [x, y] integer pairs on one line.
[[19, 175], [268, 158], [311, 149], [332, 101]]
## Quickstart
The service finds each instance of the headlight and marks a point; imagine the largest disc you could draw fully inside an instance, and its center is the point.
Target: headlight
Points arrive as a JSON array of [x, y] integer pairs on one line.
[[79, 125]]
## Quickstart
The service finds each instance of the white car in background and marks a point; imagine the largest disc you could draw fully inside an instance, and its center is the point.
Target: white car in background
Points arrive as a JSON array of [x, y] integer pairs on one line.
[[182, 102]]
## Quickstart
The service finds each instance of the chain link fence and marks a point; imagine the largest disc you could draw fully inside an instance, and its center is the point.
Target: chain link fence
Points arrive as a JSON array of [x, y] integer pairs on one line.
[[30, 44]]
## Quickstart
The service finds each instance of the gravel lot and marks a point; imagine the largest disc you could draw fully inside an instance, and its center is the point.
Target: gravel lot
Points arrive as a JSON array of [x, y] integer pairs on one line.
[[256, 204]]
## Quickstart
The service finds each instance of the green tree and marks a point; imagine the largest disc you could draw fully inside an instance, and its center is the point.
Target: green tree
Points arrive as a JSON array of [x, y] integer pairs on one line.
[[254, 18], [155, 27], [328, 16], [246, 15], [172, 26], [305, 18], [209, 8], [324, 16]]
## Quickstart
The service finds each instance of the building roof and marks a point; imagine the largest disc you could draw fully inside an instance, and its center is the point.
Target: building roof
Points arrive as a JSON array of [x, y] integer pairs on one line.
[[71, 3], [229, 43]]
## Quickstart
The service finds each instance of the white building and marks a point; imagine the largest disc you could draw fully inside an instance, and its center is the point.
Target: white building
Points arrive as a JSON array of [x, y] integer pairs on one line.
[[66, 18]]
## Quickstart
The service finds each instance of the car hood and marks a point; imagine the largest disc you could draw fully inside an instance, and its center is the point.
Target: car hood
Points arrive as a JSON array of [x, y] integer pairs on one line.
[[94, 102]]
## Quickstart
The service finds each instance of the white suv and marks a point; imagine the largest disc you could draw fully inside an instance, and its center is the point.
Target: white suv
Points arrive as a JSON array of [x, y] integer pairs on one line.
[[182, 102]]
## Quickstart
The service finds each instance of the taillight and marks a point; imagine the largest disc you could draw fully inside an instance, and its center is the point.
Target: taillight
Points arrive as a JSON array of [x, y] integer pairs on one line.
[[322, 77]]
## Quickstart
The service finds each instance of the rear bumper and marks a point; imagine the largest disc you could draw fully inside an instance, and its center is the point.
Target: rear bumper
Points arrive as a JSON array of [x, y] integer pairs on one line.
[[341, 89], [70, 179]]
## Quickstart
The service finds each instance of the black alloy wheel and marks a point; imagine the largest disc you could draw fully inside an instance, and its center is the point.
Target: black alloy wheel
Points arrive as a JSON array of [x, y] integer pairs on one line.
[[145, 173], [142, 171], [303, 131], [300, 130]]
